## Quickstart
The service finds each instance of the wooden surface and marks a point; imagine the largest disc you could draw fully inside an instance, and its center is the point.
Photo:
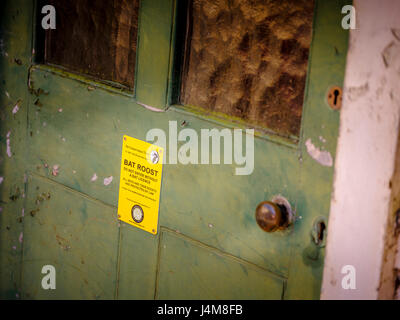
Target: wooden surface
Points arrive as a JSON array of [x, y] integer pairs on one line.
[[206, 212]]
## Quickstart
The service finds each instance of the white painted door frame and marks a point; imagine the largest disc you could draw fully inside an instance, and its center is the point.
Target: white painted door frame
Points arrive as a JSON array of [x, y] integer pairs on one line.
[[359, 220]]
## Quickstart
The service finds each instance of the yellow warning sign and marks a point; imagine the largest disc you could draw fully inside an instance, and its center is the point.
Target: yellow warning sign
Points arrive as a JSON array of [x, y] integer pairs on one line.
[[140, 184]]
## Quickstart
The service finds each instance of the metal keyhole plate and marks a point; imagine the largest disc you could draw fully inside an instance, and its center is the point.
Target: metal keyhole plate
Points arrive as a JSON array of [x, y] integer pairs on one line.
[[334, 97]]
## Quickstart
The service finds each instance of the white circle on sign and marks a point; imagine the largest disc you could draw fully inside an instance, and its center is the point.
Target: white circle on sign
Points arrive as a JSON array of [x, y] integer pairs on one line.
[[137, 214], [154, 157]]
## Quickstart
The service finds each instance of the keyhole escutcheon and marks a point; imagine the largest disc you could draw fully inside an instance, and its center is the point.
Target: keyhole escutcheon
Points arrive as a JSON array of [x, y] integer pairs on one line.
[[334, 97]]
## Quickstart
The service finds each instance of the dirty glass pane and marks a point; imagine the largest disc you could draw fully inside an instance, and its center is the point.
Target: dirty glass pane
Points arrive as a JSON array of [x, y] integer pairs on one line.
[[97, 38], [248, 59]]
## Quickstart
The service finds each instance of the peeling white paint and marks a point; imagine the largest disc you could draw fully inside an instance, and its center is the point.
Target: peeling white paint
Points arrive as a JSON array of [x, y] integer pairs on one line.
[[154, 109], [60, 110], [9, 153], [108, 180], [23, 212], [54, 172], [7, 94], [15, 109], [21, 237], [1, 180], [322, 157], [94, 178]]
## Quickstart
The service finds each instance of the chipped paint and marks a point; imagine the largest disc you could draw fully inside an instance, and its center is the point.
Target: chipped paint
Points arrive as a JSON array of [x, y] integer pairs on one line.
[[390, 54], [21, 237], [60, 110], [1, 180], [154, 109], [396, 33], [322, 157], [9, 153], [54, 172], [94, 178], [108, 180], [7, 94], [353, 93], [15, 109]]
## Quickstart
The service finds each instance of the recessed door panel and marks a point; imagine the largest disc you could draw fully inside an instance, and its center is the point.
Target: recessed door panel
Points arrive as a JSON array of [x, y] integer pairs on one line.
[[190, 270], [76, 235]]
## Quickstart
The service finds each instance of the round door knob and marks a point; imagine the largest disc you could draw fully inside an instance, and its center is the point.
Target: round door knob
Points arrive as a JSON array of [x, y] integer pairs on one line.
[[273, 215]]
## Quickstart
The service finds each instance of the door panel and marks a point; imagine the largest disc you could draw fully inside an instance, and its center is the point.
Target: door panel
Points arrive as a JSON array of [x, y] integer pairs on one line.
[[59, 230], [201, 272], [138, 257]]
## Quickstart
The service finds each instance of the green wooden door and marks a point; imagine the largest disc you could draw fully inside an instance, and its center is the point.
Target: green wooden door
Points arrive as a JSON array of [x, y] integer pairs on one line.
[[69, 129]]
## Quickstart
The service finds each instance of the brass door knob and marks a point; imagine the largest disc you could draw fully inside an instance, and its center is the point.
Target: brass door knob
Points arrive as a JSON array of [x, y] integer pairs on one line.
[[274, 215]]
